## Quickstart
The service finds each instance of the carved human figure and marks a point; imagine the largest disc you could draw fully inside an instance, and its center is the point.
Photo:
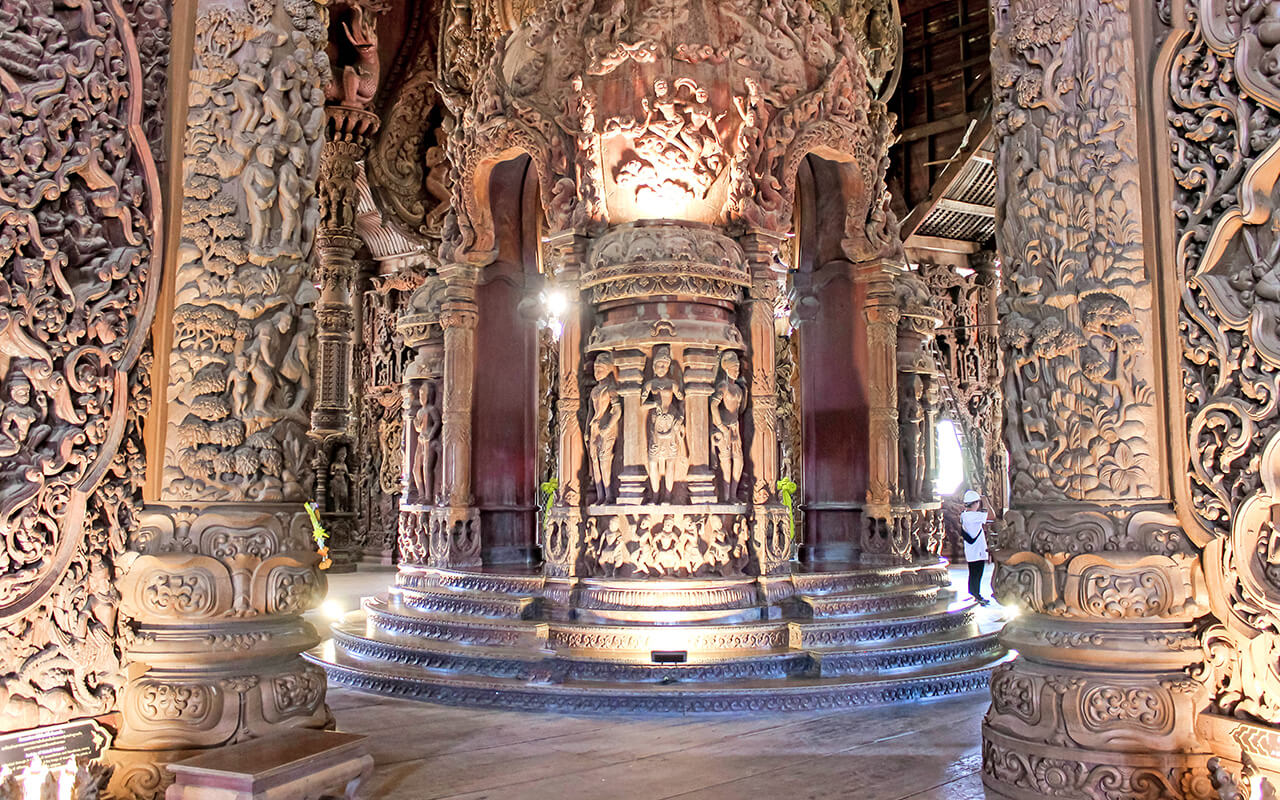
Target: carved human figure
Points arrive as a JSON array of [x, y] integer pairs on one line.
[[260, 193], [296, 364], [728, 401], [426, 425], [263, 364], [602, 429], [700, 134], [18, 420], [340, 482], [290, 196], [239, 382], [911, 439], [662, 397], [663, 116]]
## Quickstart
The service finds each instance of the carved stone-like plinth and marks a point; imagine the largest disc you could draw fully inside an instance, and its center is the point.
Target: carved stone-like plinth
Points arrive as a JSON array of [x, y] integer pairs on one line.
[[214, 597], [1105, 646], [455, 537]]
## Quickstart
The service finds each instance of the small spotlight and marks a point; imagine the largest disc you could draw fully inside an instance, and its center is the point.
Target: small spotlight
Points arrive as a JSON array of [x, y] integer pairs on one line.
[[669, 656], [332, 610]]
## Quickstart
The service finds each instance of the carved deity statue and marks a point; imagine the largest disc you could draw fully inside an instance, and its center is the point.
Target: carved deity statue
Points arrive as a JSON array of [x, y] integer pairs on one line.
[[727, 404], [426, 453], [662, 396], [911, 438], [602, 429], [340, 482], [18, 420]]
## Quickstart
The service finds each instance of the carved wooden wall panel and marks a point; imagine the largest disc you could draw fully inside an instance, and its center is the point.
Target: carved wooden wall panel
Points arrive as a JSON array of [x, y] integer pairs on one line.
[[1223, 126], [79, 229]]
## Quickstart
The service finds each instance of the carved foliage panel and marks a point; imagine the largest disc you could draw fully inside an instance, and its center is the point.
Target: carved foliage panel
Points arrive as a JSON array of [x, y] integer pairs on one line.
[[79, 224], [1079, 391], [240, 370], [1224, 126]]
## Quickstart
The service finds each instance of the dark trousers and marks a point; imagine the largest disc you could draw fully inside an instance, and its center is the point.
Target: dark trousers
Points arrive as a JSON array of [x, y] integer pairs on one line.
[[975, 577]]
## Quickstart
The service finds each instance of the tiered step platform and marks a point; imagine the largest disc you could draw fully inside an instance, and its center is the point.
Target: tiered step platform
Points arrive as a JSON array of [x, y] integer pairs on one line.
[[824, 638]]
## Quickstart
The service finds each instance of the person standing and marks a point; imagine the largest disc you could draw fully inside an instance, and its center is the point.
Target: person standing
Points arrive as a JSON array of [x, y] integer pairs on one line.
[[973, 523]]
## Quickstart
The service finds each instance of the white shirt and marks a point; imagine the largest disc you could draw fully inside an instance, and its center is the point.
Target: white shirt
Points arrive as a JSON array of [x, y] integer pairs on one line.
[[974, 524]]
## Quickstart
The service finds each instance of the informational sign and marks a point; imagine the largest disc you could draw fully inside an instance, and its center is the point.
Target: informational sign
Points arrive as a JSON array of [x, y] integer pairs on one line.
[[54, 745]]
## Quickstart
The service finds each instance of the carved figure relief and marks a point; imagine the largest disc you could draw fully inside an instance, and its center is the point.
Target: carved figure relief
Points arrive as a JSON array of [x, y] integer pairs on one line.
[[728, 401], [241, 306], [912, 438], [426, 460], [79, 229], [662, 397], [339, 486], [603, 427]]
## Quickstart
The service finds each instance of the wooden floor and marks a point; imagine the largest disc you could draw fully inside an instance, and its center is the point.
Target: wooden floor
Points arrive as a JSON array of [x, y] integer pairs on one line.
[[921, 751]]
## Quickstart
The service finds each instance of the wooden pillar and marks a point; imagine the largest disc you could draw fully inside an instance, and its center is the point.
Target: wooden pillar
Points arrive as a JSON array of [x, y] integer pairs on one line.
[[882, 315], [455, 523]]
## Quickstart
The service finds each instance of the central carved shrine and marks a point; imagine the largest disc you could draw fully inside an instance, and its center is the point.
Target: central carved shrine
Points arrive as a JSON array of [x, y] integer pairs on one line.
[[690, 179]]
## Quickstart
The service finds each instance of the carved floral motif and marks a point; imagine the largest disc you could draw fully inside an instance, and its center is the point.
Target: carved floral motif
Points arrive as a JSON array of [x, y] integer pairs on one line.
[[79, 227]]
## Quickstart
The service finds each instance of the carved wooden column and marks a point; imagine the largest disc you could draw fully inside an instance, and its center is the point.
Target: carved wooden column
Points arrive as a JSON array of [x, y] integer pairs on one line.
[[223, 564], [348, 132], [882, 315], [990, 417], [773, 552], [455, 523], [562, 538], [1100, 696], [421, 456], [336, 244]]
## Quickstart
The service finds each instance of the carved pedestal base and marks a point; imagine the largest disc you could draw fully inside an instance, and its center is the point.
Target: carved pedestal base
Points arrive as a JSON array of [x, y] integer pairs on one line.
[[455, 537], [562, 543], [1100, 702], [212, 599], [673, 541], [771, 541]]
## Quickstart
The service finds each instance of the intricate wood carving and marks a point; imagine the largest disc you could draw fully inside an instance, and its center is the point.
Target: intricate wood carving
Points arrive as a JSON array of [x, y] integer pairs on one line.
[[79, 229], [240, 369], [723, 157], [1223, 126], [1093, 548]]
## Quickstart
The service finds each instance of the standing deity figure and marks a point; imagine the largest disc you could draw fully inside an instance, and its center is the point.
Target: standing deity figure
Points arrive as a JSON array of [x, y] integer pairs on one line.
[[426, 425], [911, 421], [340, 482], [661, 397], [602, 429], [727, 404]]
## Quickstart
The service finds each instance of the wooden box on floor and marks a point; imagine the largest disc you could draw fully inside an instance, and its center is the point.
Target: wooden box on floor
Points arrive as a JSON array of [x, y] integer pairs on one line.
[[297, 765]]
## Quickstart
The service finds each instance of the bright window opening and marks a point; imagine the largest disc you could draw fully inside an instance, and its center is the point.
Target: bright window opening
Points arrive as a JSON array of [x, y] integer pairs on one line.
[[950, 458]]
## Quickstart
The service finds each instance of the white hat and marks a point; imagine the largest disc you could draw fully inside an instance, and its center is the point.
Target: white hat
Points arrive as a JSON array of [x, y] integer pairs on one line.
[[971, 497]]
